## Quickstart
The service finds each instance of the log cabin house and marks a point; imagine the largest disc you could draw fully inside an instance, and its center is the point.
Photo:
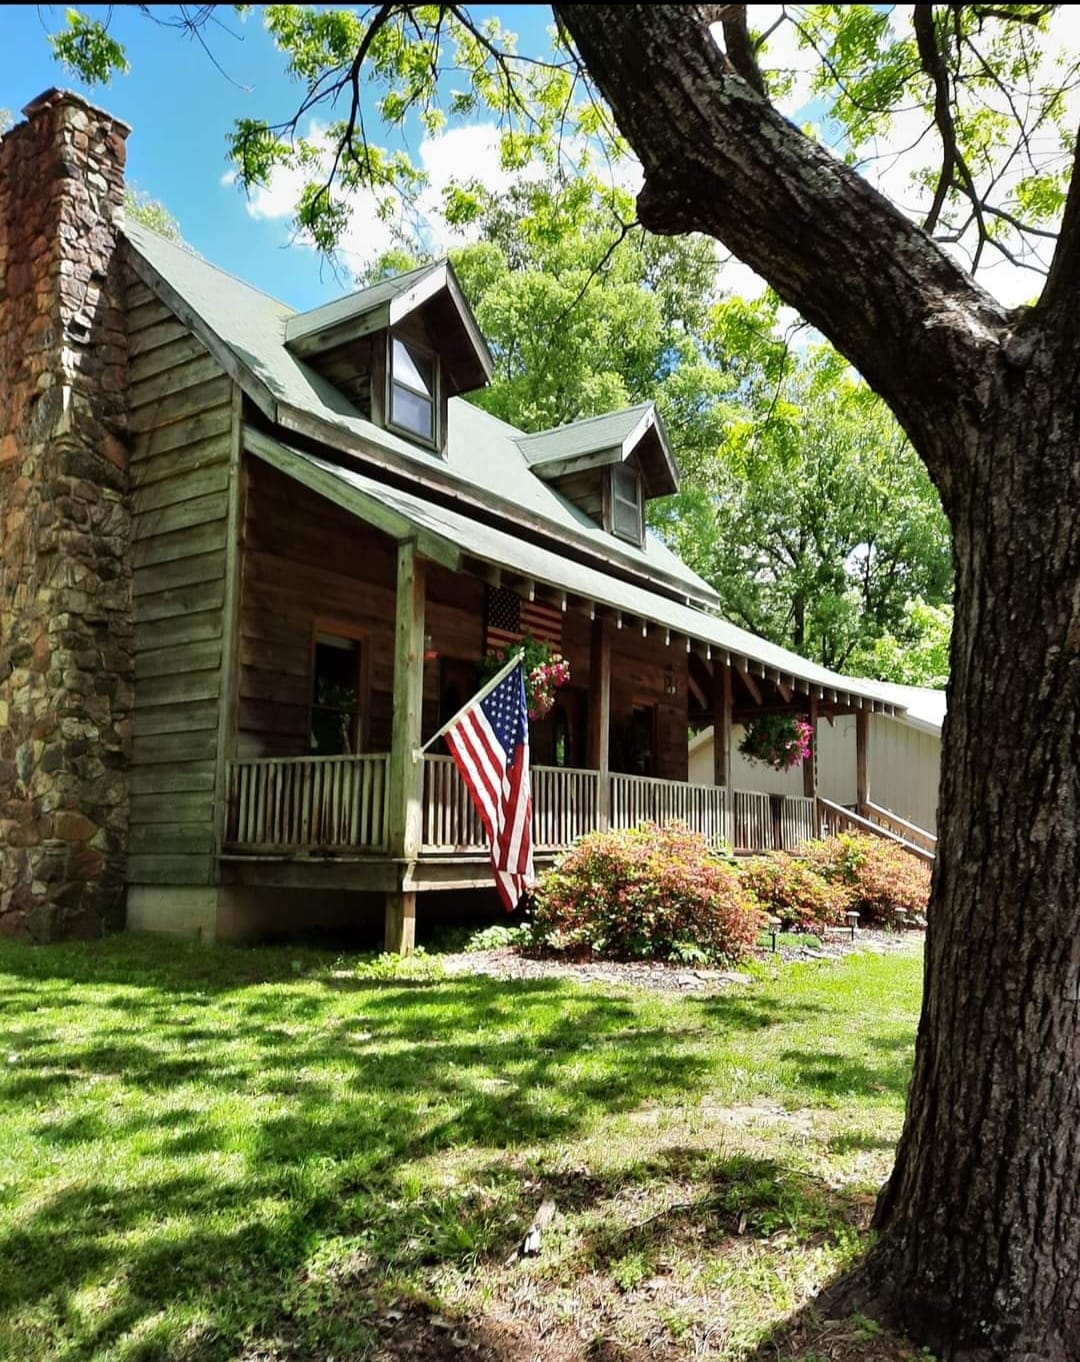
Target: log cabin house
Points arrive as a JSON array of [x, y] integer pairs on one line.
[[272, 549]]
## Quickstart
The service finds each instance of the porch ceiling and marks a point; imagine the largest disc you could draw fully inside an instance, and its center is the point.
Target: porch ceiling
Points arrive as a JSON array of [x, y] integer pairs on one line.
[[445, 534]]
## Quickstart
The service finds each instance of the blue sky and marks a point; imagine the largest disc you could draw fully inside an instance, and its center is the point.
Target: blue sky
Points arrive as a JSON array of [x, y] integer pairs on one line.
[[180, 108]]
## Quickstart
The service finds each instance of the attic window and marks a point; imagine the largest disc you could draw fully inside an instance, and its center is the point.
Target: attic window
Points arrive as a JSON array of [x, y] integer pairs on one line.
[[626, 519], [413, 379]]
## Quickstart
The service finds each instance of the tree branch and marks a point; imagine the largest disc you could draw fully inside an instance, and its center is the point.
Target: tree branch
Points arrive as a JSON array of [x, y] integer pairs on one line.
[[740, 48], [720, 160], [1059, 294], [935, 68]]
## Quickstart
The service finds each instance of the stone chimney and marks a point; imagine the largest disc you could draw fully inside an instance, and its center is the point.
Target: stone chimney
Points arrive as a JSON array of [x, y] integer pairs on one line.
[[66, 656]]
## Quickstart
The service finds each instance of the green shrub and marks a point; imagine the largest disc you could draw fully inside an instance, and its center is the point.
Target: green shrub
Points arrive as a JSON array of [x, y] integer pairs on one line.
[[879, 875], [788, 888], [645, 893], [496, 936]]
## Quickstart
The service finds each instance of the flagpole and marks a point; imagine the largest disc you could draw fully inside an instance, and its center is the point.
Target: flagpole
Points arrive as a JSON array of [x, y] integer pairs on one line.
[[481, 694]]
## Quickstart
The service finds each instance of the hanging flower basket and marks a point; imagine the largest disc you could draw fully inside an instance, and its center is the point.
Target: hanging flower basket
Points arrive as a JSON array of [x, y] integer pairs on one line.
[[545, 673], [778, 741]]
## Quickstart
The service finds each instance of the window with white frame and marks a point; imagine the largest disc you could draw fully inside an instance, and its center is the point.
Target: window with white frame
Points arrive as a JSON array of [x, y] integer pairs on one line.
[[413, 390]]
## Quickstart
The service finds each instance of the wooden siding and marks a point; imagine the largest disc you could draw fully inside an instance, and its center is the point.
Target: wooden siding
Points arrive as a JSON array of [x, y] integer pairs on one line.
[[308, 565], [640, 668], [585, 489], [905, 770], [181, 405]]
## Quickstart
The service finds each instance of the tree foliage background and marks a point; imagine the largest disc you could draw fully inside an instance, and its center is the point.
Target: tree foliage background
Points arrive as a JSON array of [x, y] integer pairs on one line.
[[802, 502]]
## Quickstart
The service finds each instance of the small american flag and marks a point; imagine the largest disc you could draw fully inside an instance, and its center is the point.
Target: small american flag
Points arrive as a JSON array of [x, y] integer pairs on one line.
[[509, 617], [489, 742]]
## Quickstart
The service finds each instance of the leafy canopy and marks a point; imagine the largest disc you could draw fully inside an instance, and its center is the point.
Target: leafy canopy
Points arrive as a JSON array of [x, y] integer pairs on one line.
[[979, 99], [802, 502]]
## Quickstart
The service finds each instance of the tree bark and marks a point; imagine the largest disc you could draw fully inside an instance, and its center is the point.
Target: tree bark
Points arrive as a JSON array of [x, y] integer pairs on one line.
[[979, 1226], [978, 1249]]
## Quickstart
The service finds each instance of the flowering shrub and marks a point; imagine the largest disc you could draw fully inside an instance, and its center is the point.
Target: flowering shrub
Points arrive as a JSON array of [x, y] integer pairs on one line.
[[648, 892], [545, 672], [777, 740], [878, 874], [787, 888]]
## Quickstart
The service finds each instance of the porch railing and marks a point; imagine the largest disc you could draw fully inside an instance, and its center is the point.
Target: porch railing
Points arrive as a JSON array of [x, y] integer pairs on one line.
[[450, 821], [637, 798], [565, 806], [283, 804], [308, 803], [798, 821], [753, 821]]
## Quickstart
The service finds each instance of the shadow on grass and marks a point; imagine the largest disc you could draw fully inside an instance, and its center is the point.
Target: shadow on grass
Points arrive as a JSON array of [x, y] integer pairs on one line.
[[207, 1236]]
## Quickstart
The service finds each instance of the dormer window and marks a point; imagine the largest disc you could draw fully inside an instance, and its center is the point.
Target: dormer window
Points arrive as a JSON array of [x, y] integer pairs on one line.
[[626, 516], [413, 390]]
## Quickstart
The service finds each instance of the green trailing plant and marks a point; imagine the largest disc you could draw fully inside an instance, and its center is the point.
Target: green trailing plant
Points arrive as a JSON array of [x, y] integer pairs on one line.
[[777, 740], [648, 892]]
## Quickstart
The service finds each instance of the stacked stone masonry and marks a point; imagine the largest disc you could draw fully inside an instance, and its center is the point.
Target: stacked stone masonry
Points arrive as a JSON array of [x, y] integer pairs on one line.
[[66, 646]]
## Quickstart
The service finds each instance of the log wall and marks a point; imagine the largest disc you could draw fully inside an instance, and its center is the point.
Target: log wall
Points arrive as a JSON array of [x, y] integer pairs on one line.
[[182, 420]]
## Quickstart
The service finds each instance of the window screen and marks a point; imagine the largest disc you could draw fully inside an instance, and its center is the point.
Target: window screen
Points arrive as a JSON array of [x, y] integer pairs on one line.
[[626, 503]]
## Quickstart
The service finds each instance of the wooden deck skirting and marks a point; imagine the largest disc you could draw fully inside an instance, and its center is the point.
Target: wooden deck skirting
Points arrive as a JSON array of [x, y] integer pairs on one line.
[[296, 805]]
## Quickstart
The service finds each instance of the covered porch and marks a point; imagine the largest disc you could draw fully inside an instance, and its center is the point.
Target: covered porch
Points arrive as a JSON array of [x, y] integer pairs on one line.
[[395, 600]]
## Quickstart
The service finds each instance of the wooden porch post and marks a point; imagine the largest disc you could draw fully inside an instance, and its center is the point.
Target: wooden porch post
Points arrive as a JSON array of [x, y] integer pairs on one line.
[[723, 754], [406, 776], [862, 768], [810, 767], [600, 718]]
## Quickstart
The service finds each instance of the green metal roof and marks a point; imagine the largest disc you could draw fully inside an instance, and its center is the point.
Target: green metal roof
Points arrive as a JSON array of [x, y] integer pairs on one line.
[[605, 439], [611, 430], [484, 465], [369, 499]]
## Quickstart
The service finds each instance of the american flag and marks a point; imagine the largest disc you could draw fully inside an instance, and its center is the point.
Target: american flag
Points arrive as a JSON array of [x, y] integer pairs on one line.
[[509, 617], [489, 742]]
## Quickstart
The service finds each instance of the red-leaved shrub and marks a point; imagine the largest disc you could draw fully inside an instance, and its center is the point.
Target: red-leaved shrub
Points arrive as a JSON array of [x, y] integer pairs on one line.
[[879, 875], [791, 890], [648, 892]]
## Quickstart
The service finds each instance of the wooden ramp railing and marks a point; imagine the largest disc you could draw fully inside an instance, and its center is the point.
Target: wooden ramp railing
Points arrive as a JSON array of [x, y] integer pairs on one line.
[[900, 827], [308, 803], [835, 818]]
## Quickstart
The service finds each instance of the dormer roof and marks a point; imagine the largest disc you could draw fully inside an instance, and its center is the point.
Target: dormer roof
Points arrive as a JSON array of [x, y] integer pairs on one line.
[[432, 288], [607, 439]]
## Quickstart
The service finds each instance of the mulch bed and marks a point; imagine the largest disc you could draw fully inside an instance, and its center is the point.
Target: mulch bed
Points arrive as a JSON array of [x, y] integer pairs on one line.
[[508, 963]]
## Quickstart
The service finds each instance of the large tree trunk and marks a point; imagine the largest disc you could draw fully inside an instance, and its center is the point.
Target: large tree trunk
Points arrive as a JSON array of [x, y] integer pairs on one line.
[[978, 1251], [979, 1247]]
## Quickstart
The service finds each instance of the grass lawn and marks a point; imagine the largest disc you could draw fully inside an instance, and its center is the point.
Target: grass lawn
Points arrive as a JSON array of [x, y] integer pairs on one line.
[[273, 1154]]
